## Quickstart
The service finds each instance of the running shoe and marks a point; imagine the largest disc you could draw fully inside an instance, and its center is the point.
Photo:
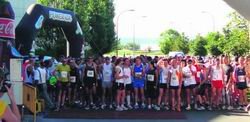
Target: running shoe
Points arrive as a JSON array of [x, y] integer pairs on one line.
[[124, 108], [110, 106], [87, 107], [103, 106], [230, 108], [166, 107], [157, 107], [57, 109], [149, 107], [118, 108], [223, 107], [239, 108], [130, 107], [143, 105], [195, 106], [188, 108], [136, 106], [200, 108]]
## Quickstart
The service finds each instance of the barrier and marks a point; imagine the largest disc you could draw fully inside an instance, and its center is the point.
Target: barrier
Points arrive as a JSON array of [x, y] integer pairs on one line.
[[30, 100]]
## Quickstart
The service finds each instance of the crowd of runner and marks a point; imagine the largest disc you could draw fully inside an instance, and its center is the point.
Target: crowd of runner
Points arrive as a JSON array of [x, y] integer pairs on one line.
[[176, 83]]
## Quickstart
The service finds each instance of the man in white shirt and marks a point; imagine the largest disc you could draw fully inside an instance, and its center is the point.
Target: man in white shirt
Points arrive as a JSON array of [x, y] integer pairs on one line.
[[40, 77]]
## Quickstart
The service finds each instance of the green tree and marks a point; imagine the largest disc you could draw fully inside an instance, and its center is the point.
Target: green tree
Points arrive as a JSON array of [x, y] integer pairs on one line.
[[96, 19], [236, 35], [50, 41], [215, 43], [197, 46], [172, 40]]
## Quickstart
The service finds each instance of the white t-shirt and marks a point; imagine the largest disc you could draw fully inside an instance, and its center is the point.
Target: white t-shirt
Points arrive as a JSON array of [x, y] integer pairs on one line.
[[164, 75], [107, 72], [174, 80], [127, 72], [120, 74], [189, 78], [217, 73], [40, 75]]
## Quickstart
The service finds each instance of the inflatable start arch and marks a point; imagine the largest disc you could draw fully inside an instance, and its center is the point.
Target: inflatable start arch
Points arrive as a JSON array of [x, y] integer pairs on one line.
[[37, 16]]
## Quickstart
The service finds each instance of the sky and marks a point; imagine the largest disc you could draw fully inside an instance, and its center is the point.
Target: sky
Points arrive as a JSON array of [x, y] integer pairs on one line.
[[152, 17]]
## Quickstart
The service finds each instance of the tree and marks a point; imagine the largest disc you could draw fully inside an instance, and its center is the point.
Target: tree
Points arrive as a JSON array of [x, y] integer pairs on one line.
[[215, 43], [236, 35], [197, 46], [96, 19], [132, 46], [172, 40], [56, 45]]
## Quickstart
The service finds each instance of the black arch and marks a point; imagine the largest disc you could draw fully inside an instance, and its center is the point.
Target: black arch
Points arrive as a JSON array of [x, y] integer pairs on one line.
[[29, 25]]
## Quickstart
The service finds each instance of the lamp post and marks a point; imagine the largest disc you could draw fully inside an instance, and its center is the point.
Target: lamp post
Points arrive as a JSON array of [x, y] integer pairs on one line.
[[117, 27], [212, 17]]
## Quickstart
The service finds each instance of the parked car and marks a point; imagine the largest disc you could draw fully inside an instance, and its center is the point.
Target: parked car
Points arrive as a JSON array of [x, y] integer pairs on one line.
[[176, 53]]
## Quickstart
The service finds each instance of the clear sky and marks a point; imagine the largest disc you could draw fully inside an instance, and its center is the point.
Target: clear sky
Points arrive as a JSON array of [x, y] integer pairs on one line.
[[186, 16]]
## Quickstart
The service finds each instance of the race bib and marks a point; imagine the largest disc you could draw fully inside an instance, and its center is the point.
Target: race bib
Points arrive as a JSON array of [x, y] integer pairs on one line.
[[164, 80], [241, 78], [174, 81], [107, 76], [138, 74], [215, 75], [90, 73], [72, 79], [64, 74], [198, 74], [150, 77]]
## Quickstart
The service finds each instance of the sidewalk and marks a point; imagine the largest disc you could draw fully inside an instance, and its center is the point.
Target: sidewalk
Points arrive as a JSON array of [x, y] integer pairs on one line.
[[192, 116]]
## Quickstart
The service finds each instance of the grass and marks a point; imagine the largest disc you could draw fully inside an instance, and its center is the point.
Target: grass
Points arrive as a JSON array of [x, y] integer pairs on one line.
[[127, 53]]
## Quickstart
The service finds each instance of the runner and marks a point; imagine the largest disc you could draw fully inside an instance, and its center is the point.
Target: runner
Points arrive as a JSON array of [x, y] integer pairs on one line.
[[189, 73], [241, 83], [128, 81], [63, 76], [120, 85], [138, 74], [74, 79], [201, 86], [40, 77], [163, 70], [107, 77], [151, 85], [90, 82], [228, 83], [175, 85], [217, 77]]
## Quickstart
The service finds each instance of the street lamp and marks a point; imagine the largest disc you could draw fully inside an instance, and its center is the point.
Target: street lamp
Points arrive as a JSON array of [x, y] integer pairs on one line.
[[212, 16], [117, 25]]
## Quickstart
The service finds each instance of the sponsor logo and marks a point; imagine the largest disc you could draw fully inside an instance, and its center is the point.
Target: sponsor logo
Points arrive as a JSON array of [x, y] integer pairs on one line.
[[60, 16], [7, 28], [39, 22]]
